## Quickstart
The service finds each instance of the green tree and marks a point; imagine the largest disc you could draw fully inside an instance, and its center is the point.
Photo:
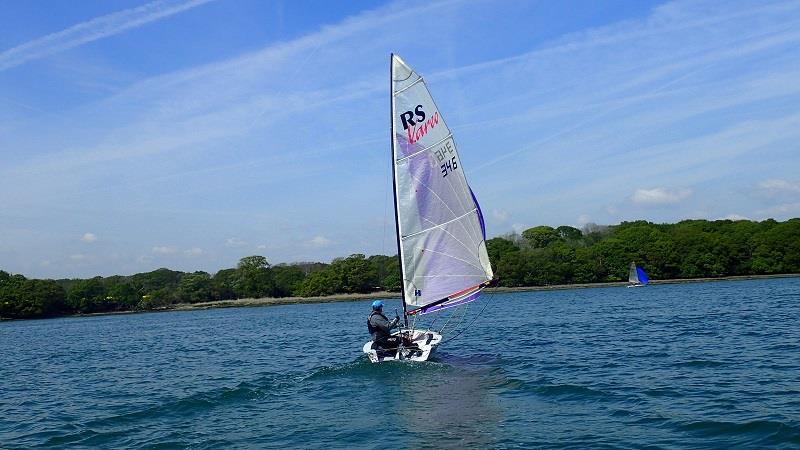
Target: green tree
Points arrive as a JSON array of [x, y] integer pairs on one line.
[[223, 283], [287, 279], [541, 236], [569, 234], [122, 293], [354, 274], [387, 272], [23, 298], [195, 287], [87, 296], [319, 283], [254, 278]]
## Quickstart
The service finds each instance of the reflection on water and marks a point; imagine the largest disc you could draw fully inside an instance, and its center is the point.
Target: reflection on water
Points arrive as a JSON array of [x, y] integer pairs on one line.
[[451, 406]]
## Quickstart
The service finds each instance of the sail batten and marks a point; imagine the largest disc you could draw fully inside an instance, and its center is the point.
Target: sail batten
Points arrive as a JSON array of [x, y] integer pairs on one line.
[[419, 80], [441, 235], [439, 225], [425, 149]]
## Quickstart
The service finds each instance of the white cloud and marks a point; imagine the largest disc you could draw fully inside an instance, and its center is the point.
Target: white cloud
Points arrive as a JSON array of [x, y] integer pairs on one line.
[[319, 242], [777, 186], [194, 251], [734, 217], [519, 228], [77, 257], [164, 250], [261, 247], [89, 237], [785, 208], [660, 196], [500, 215], [235, 242], [93, 30], [583, 219]]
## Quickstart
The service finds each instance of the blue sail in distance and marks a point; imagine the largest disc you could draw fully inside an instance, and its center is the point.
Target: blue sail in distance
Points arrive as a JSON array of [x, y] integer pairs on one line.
[[643, 278]]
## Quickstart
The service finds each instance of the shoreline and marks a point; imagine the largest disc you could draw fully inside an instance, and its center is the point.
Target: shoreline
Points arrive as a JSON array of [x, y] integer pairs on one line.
[[268, 301], [335, 298]]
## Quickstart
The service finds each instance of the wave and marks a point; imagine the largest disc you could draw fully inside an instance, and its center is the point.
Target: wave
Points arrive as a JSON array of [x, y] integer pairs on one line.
[[702, 363], [362, 367], [563, 392], [751, 433], [180, 409]]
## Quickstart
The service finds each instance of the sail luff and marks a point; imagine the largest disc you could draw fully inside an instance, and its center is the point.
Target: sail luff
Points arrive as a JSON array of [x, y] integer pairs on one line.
[[394, 190]]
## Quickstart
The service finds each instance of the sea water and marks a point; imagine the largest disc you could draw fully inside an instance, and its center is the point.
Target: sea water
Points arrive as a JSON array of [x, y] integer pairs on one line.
[[698, 365]]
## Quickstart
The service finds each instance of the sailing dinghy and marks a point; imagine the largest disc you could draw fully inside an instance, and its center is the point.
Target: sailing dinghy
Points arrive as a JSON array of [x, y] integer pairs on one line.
[[637, 276], [441, 236]]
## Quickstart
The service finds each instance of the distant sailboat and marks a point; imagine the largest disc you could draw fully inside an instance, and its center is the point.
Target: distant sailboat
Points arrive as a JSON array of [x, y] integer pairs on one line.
[[441, 238], [637, 276]]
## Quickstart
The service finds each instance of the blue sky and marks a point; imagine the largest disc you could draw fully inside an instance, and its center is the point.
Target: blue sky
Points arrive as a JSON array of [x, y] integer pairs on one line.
[[188, 134]]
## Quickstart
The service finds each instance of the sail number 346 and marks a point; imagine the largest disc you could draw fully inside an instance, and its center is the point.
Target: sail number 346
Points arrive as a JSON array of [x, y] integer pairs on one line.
[[447, 158]]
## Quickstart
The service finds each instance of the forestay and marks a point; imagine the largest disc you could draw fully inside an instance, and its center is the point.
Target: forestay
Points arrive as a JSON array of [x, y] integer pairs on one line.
[[442, 235]]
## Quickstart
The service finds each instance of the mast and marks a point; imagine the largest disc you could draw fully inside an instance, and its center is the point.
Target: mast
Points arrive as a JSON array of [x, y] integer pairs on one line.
[[394, 189]]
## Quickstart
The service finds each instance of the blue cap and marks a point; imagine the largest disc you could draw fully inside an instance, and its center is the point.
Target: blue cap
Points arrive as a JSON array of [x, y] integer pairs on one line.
[[377, 304]]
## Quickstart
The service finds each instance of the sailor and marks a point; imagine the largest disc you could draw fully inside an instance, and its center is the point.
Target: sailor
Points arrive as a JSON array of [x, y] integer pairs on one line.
[[380, 327]]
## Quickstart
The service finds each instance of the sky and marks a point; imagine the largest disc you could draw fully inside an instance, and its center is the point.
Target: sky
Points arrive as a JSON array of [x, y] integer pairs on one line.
[[188, 134]]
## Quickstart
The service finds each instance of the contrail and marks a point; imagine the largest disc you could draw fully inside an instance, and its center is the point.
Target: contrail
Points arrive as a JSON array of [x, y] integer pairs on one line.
[[93, 30]]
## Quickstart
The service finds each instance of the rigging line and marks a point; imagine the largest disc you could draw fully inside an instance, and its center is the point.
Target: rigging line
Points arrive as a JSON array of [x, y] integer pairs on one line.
[[440, 225], [467, 232], [430, 325], [449, 256], [450, 316], [435, 195], [473, 209], [491, 297], [463, 315], [472, 252]]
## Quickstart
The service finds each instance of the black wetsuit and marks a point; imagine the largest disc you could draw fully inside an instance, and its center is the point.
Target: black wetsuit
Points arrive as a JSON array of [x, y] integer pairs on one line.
[[381, 328]]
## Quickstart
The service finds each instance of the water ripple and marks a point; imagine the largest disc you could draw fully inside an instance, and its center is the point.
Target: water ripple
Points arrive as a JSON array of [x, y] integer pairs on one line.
[[679, 366]]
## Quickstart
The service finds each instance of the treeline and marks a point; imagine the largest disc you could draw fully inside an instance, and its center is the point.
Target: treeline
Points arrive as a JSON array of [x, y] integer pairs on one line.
[[689, 249], [539, 256], [253, 277]]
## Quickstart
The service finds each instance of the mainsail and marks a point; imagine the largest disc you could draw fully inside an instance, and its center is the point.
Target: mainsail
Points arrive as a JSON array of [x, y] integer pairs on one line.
[[440, 228]]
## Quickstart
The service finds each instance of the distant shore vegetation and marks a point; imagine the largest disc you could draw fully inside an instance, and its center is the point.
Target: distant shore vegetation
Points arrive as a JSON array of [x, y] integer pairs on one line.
[[539, 256]]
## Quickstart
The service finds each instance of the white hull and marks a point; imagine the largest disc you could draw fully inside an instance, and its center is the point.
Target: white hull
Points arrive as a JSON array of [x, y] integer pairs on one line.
[[425, 342], [636, 285]]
